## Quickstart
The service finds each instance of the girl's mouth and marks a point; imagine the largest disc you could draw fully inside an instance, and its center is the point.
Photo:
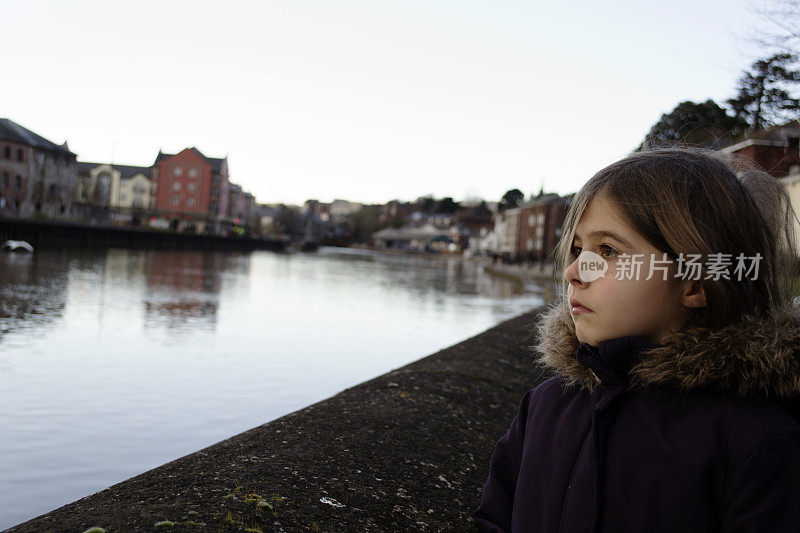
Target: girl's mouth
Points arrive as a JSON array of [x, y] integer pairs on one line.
[[577, 308]]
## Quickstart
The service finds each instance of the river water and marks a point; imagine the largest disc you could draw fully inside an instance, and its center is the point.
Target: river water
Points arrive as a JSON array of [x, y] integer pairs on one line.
[[116, 361]]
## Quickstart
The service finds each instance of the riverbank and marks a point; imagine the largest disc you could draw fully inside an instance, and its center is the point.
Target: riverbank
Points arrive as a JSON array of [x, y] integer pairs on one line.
[[528, 277], [67, 234], [407, 450], [538, 278]]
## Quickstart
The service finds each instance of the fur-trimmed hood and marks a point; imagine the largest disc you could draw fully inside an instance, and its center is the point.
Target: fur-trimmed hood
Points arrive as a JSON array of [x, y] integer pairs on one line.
[[757, 356]]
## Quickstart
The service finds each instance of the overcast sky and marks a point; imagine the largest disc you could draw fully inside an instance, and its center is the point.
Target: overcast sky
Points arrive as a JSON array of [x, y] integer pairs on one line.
[[368, 100]]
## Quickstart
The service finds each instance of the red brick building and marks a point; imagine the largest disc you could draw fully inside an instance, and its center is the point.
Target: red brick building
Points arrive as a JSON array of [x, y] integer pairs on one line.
[[37, 176], [776, 150], [190, 188], [473, 222], [540, 224]]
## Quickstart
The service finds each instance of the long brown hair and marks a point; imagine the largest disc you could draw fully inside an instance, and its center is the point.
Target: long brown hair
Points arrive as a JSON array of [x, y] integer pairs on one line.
[[690, 201]]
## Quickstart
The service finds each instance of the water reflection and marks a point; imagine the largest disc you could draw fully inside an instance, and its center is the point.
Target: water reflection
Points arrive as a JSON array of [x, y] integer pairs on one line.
[[32, 290], [426, 275], [182, 289]]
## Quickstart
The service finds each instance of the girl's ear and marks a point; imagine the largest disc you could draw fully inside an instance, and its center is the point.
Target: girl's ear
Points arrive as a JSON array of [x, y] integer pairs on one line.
[[692, 294]]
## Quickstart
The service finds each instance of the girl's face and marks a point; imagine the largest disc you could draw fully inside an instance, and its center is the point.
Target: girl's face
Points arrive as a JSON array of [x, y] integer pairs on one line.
[[607, 307]]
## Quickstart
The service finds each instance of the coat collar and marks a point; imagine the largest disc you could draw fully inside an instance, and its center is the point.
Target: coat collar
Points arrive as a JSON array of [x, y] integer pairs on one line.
[[610, 361], [757, 356]]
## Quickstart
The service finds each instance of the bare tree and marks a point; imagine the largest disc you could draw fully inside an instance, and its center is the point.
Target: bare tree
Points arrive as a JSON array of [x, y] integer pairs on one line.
[[782, 24]]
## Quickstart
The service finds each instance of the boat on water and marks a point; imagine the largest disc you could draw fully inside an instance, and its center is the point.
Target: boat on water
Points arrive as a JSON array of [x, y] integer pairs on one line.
[[16, 246]]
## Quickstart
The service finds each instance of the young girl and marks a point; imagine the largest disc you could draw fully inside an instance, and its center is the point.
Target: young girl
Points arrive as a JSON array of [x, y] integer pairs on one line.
[[676, 349]]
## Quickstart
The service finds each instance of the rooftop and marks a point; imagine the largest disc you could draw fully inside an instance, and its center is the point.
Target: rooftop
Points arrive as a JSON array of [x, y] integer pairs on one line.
[[126, 171], [215, 162], [11, 131]]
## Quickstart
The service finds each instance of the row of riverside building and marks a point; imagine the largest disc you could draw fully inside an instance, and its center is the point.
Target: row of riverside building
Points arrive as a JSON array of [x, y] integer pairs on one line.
[[189, 191], [186, 191], [531, 231], [524, 233]]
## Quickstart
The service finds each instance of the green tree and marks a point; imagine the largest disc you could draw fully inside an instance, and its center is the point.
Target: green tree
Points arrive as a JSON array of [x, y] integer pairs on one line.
[[512, 198], [762, 97], [428, 205], [447, 205], [397, 222], [482, 210], [288, 221], [696, 124], [365, 222]]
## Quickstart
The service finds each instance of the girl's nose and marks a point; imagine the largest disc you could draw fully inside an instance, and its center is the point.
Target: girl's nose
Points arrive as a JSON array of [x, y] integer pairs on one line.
[[571, 274]]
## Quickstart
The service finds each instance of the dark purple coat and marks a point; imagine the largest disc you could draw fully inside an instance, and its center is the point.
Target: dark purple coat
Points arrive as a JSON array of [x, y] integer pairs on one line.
[[690, 435]]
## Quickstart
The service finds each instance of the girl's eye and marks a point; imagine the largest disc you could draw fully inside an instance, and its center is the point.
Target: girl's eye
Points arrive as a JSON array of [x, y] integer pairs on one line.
[[575, 252], [607, 251]]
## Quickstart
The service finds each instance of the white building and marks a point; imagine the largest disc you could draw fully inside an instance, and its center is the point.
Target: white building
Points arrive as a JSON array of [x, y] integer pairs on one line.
[[106, 191], [792, 184]]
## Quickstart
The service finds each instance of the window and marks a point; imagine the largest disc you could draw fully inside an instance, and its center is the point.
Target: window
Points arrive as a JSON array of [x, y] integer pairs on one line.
[[176, 186], [20, 155], [191, 187], [122, 197], [212, 208], [214, 192], [4, 181], [6, 153], [177, 171], [541, 218], [2, 202], [103, 188], [153, 188], [40, 158], [531, 219], [175, 200], [192, 172], [51, 191], [17, 183], [138, 188], [215, 178], [190, 202]]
